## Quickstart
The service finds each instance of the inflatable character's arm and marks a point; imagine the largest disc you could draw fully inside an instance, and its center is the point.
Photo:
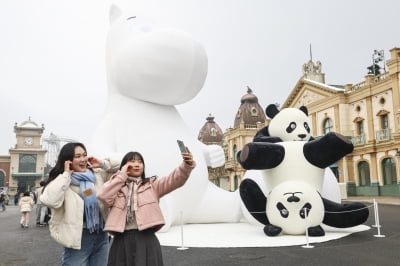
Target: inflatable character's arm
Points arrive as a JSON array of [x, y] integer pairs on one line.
[[261, 155], [327, 150], [214, 155]]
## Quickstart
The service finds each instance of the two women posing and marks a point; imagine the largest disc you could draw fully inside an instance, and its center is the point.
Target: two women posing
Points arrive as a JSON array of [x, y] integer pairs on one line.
[[128, 207]]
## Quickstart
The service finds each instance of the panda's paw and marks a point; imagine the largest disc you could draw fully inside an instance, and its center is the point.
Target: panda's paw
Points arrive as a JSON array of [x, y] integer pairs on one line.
[[316, 231], [272, 230]]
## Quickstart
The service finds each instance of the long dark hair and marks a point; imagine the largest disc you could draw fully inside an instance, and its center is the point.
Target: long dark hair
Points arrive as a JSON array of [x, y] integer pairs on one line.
[[133, 155], [67, 153]]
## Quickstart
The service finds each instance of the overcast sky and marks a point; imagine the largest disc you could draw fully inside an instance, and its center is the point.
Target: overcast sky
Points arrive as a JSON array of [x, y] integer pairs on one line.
[[52, 54]]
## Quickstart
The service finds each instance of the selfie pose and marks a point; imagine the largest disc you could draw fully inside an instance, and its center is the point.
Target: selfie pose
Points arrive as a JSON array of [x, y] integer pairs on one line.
[[77, 216], [135, 214]]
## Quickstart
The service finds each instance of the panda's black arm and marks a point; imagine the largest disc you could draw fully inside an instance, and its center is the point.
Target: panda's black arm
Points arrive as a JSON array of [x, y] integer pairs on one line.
[[344, 215], [326, 150], [254, 200], [261, 155]]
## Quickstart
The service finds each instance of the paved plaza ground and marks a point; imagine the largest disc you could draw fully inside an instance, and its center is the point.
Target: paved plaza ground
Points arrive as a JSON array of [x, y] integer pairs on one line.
[[33, 246]]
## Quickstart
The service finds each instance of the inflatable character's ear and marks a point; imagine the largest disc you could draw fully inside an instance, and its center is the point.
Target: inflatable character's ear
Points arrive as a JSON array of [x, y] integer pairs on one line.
[[271, 110], [115, 13], [304, 109]]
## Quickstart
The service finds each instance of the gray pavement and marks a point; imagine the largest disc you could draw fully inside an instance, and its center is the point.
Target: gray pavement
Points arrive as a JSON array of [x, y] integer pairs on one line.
[[33, 246]]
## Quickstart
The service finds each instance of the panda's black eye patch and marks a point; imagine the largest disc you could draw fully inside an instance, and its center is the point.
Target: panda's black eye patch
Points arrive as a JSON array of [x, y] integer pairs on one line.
[[292, 126], [307, 127], [282, 209], [305, 210]]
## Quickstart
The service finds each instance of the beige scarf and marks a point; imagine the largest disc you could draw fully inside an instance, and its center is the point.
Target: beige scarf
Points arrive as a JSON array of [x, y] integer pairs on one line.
[[132, 202]]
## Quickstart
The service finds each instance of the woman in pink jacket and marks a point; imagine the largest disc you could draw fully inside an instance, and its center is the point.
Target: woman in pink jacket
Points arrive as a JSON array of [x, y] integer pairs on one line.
[[135, 214]]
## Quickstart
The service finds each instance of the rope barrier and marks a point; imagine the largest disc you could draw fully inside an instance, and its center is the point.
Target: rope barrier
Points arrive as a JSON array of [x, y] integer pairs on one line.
[[369, 206]]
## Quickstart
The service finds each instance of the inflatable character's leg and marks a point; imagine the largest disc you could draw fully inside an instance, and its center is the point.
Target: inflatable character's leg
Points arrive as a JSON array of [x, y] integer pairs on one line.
[[254, 200], [344, 215]]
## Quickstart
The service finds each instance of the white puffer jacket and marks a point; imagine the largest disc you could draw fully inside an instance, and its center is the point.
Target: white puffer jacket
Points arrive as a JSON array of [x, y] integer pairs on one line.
[[67, 206]]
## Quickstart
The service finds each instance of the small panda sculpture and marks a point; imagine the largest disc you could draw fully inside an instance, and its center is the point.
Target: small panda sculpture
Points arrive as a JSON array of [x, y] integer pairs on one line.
[[293, 164]]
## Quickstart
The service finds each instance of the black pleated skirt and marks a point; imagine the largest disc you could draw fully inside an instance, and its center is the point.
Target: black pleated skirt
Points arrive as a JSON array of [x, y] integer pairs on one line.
[[135, 248]]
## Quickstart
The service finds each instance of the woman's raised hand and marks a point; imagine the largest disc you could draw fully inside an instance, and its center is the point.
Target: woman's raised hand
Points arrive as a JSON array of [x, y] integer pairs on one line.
[[67, 167], [93, 162], [188, 157]]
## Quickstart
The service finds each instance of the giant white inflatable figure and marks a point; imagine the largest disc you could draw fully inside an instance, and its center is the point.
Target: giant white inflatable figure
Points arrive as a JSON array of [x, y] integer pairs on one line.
[[149, 71]]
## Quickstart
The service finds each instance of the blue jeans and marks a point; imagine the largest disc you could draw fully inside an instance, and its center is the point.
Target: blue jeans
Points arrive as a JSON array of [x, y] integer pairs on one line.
[[93, 252]]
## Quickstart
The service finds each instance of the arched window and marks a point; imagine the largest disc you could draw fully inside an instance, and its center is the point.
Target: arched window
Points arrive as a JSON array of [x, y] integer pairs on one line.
[[389, 171], [2, 179], [327, 126], [363, 174], [27, 163]]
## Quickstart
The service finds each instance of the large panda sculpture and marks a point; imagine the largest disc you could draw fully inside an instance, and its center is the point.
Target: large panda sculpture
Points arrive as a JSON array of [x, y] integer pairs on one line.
[[293, 166]]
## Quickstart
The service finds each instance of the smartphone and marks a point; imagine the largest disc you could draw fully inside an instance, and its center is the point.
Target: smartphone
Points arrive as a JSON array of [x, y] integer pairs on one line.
[[181, 145]]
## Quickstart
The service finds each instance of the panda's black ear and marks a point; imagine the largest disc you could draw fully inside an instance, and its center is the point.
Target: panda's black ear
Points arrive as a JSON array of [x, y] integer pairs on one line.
[[304, 109], [271, 110]]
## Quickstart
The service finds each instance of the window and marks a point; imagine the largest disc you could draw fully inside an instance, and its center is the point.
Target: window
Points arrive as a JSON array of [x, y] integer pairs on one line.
[[384, 121], [234, 151], [363, 174], [2, 179], [360, 128], [236, 182], [27, 163], [254, 111], [327, 126], [213, 132], [389, 171]]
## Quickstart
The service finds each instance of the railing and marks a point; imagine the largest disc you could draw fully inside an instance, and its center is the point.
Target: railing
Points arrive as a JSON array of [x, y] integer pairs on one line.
[[358, 140], [382, 135], [375, 79]]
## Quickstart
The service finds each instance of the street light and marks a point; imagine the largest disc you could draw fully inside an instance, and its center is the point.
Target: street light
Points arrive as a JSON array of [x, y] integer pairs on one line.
[[378, 56]]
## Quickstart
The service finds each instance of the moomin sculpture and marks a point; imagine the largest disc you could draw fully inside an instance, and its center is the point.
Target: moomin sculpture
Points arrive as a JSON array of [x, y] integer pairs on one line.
[[149, 71]]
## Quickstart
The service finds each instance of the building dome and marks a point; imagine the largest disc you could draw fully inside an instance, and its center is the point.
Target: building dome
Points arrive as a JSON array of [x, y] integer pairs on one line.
[[249, 112], [29, 124], [211, 133]]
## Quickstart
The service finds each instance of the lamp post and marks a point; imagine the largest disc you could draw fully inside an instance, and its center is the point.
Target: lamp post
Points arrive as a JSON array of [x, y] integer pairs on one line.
[[378, 56]]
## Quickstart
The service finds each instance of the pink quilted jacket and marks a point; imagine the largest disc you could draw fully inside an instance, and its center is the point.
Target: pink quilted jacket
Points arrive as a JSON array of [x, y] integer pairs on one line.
[[114, 194]]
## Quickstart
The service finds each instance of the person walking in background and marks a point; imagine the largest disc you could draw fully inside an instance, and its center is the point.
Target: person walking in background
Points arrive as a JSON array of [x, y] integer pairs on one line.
[[76, 214], [16, 199], [25, 207], [135, 214], [2, 201], [41, 210]]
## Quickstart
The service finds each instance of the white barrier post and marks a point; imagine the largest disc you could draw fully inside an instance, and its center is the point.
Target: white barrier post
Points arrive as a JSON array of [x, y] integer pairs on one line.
[[182, 247], [375, 214], [377, 223], [308, 244]]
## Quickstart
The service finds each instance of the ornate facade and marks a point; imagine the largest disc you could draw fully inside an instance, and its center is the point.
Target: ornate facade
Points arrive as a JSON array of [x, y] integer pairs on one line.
[[369, 114]]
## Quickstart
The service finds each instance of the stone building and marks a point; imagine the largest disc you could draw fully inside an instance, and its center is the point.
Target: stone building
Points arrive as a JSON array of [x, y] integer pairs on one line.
[[368, 113], [27, 158]]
